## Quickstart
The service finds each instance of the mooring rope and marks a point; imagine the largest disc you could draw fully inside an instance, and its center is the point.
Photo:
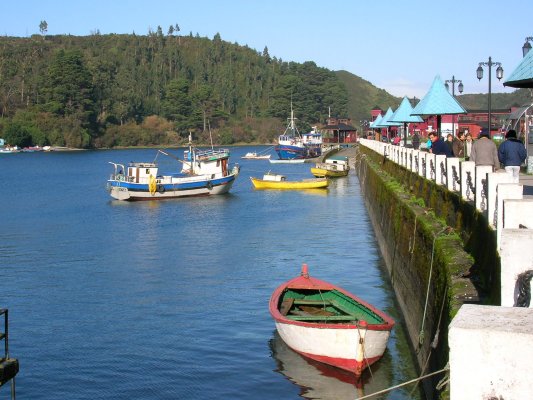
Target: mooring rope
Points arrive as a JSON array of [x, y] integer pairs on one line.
[[421, 334], [390, 389]]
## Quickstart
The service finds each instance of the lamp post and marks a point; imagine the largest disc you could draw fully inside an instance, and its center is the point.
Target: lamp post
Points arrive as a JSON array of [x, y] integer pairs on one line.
[[453, 81], [527, 46], [499, 75]]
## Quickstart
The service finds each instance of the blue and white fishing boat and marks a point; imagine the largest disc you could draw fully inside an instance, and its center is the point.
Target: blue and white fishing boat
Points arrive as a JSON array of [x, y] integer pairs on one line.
[[204, 173], [292, 146]]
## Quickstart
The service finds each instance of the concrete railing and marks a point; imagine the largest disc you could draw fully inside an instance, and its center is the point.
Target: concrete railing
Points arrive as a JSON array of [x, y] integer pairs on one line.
[[490, 351]]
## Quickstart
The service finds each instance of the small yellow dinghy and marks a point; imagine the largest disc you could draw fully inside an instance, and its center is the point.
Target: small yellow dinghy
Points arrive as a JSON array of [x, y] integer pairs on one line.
[[276, 181]]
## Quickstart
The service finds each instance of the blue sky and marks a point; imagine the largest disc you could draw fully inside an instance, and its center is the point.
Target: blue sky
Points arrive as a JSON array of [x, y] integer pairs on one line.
[[399, 46]]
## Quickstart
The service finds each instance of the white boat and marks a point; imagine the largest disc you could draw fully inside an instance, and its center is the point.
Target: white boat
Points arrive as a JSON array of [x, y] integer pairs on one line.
[[254, 156], [332, 167], [326, 323], [204, 173]]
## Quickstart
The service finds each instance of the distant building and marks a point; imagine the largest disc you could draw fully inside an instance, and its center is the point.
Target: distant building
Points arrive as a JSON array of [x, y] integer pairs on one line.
[[339, 130]]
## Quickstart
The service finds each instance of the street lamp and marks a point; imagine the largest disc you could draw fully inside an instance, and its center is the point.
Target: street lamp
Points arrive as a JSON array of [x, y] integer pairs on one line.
[[527, 46], [453, 81], [499, 75]]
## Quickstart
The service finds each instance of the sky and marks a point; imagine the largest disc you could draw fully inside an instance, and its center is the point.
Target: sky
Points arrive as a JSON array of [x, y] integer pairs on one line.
[[397, 45]]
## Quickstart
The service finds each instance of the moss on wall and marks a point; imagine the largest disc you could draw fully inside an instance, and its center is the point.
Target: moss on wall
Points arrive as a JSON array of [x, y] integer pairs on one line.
[[438, 249]]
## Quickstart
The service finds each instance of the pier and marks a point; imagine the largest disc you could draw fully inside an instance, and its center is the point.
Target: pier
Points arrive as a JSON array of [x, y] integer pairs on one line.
[[457, 241]]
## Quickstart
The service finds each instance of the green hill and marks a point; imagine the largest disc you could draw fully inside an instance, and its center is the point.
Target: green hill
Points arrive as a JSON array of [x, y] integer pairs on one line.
[[363, 96]]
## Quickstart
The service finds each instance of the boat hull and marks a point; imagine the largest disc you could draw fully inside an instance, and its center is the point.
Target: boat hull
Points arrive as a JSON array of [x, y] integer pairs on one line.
[[334, 346], [291, 185], [287, 152], [121, 190], [323, 322], [322, 172]]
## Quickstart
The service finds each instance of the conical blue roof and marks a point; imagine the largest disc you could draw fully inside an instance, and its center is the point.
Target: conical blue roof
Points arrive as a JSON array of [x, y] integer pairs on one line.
[[385, 122], [438, 101], [522, 76], [375, 123], [403, 113]]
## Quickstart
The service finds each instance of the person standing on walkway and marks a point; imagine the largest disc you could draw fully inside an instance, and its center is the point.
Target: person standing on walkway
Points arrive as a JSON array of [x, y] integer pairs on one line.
[[416, 140], [468, 145], [485, 152], [458, 145], [512, 154], [439, 146]]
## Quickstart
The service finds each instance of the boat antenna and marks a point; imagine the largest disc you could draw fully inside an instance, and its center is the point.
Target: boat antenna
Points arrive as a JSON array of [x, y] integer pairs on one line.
[[210, 136]]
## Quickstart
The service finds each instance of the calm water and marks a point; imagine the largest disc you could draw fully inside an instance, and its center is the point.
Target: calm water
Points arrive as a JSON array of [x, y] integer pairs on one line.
[[169, 300]]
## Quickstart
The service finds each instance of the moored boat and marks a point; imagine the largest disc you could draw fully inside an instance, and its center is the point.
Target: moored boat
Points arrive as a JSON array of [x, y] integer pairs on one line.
[[255, 156], [277, 181], [335, 166], [291, 145], [325, 323], [204, 173]]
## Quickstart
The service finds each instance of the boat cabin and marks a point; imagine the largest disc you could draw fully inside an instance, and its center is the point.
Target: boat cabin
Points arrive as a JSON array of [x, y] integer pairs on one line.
[[274, 177], [141, 172]]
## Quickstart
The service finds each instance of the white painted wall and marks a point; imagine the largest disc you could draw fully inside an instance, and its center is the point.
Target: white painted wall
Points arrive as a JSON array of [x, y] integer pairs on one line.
[[491, 353]]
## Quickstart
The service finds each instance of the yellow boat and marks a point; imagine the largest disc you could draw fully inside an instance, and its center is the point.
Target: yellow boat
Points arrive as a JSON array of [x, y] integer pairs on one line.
[[276, 181], [333, 167]]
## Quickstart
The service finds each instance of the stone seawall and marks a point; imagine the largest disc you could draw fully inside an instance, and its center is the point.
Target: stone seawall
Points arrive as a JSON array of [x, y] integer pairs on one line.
[[438, 250]]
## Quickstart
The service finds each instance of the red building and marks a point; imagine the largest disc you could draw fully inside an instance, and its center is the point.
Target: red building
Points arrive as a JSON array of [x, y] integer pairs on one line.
[[339, 130]]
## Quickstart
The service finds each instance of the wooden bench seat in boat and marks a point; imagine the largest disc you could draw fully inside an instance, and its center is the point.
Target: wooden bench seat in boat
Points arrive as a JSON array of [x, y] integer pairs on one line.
[[322, 318]]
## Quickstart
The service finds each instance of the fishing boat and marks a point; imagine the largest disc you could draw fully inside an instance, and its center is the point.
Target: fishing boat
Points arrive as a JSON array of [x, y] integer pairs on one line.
[[325, 323], [203, 173], [277, 181], [255, 156], [332, 167], [291, 145]]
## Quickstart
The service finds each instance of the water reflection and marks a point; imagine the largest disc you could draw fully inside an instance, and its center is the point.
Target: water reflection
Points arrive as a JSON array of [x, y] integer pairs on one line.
[[320, 381]]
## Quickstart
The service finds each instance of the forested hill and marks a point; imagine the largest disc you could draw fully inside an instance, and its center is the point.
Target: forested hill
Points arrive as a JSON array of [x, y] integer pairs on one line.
[[127, 90]]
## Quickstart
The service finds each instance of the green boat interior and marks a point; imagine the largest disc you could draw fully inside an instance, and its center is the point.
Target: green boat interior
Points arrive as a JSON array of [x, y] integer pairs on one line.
[[329, 306]]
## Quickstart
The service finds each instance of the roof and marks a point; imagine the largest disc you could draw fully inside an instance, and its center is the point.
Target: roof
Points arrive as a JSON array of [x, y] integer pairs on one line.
[[376, 122], [403, 113], [340, 127], [522, 76], [438, 101], [385, 122], [519, 112]]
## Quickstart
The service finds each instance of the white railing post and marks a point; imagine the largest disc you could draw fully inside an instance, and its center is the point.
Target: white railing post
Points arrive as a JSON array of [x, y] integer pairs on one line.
[[453, 180], [482, 187], [495, 179], [468, 180], [440, 169]]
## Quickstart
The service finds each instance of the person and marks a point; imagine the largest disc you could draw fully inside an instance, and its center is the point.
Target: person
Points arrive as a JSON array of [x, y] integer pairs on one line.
[[438, 146], [512, 154], [416, 140], [449, 142], [484, 152], [458, 146], [468, 145], [396, 140], [428, 144]]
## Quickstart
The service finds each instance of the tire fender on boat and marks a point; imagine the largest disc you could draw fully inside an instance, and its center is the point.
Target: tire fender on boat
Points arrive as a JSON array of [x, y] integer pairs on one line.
[[209, 185], [160, 189]]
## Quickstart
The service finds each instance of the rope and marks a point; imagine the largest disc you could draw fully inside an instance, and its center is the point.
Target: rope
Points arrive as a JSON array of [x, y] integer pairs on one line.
[[389, 389], [435, 341], [421, 334]]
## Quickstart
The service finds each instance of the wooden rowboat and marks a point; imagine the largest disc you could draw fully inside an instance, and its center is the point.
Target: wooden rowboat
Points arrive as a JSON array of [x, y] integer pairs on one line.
[[325, 323], [276, 181]]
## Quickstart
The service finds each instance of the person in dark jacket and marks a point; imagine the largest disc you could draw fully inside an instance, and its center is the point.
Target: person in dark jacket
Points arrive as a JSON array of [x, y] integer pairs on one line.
[[458, 145], [416, 140], [439, 146], [512, 154]]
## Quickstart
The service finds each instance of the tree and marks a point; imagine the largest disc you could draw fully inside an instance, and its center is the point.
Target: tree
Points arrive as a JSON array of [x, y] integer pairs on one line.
[[68, 86], [176, 103], [43, 28]]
